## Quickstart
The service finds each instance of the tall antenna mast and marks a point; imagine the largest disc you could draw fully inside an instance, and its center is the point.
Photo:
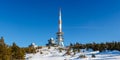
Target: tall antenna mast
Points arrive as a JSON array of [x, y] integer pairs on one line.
[[60, 33]]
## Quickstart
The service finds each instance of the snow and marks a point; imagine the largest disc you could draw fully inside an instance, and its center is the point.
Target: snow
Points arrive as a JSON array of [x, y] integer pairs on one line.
[[54, 54]]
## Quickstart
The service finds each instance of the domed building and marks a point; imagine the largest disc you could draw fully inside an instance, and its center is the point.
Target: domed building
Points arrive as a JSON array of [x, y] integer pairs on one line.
[[51, 42], [33, 45]]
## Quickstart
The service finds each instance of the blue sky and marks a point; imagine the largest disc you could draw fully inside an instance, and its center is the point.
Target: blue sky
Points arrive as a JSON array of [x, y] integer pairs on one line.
[[84, 21]]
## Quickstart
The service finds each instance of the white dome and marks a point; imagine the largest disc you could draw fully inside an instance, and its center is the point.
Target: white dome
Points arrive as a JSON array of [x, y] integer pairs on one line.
[[33, 43], [51, 38]]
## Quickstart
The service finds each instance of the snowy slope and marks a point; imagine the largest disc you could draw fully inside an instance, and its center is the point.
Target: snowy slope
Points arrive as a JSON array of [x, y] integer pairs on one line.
[[54, 54]]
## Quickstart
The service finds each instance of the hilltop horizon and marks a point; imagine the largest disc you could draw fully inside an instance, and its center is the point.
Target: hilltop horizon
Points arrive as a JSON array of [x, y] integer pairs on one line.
[[56, 43]]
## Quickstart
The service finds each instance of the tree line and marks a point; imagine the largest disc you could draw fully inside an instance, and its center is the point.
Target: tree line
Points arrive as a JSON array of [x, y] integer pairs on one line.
[[13, 52], [97, 46]]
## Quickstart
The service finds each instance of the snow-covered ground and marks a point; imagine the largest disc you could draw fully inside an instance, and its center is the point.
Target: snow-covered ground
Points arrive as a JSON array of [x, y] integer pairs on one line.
[[54, 54]]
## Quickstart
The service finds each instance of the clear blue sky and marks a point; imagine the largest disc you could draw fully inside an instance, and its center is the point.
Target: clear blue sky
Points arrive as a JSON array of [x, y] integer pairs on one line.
[[84, 21]]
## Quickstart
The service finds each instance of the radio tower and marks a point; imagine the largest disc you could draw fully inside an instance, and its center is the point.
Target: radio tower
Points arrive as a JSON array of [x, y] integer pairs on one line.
[[60, 33]]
